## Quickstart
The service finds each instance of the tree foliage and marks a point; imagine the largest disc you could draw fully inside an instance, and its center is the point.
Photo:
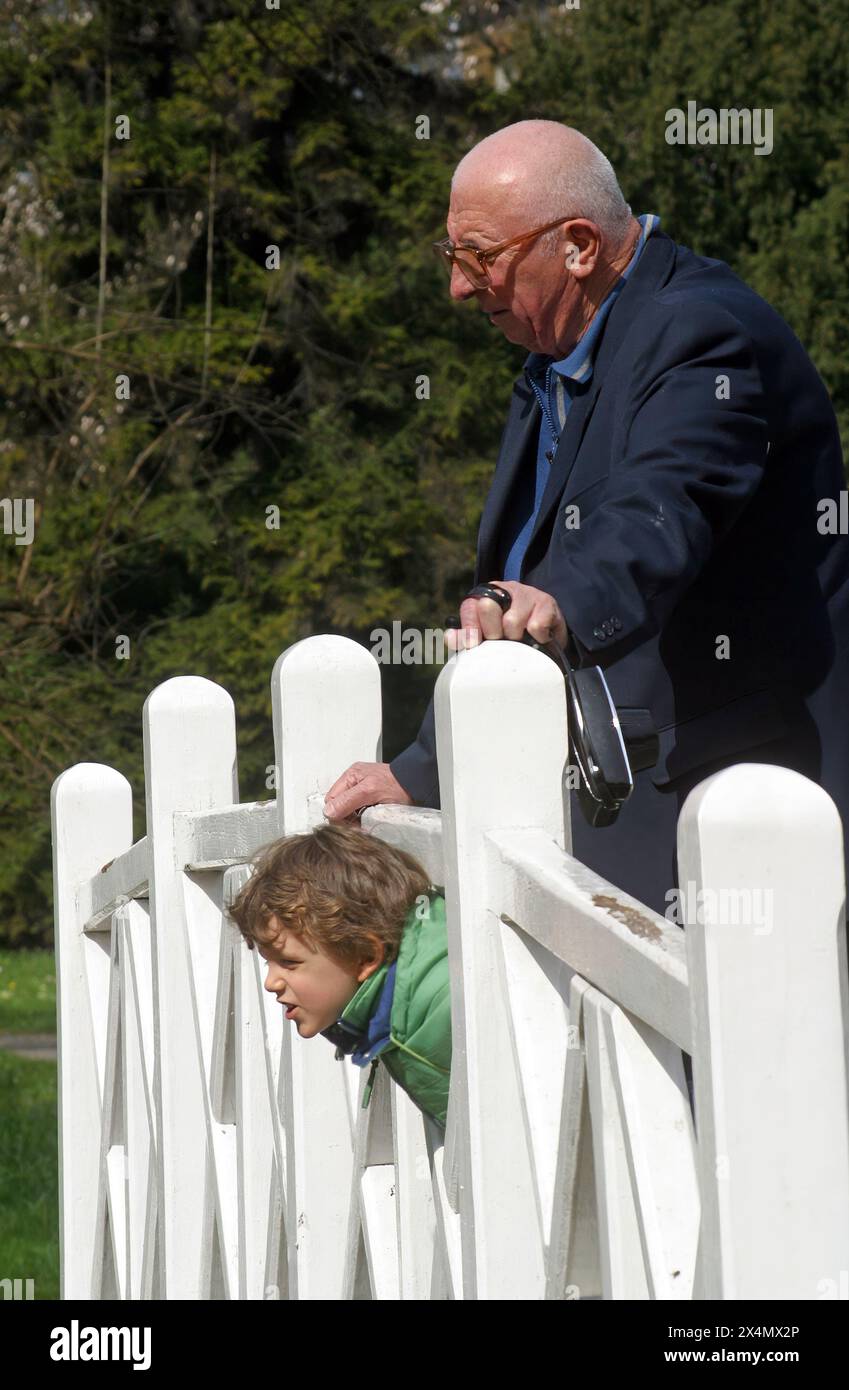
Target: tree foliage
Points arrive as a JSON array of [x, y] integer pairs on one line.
[[256, 384]]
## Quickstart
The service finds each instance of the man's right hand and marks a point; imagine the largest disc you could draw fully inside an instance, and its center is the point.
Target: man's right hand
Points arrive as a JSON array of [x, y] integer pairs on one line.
[[363, 784]]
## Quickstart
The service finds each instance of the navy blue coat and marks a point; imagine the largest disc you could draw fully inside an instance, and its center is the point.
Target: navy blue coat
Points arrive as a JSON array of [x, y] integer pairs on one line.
[[698, 507]]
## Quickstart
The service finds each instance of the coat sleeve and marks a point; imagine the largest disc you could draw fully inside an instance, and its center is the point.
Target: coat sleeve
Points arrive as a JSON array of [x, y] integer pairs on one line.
[[695, 451], [416, 767]]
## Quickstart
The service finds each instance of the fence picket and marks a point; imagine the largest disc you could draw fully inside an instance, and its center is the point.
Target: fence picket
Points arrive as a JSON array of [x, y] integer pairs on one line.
[[208, 1151]]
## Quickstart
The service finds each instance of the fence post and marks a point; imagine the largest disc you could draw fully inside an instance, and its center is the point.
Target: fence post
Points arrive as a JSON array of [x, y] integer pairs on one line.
[[760, 856], [327, 714], [502, 750], [91, 808], [190, 765]]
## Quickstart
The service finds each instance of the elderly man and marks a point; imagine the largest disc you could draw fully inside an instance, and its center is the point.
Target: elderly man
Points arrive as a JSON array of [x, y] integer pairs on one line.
[[675, 414]]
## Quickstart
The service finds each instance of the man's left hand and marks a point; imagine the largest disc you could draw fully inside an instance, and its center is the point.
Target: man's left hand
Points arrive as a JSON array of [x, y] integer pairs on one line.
[[532, 611]]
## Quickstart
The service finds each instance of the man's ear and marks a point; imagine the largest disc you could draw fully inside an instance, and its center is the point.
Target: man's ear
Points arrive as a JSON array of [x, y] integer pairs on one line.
[[374, 961]]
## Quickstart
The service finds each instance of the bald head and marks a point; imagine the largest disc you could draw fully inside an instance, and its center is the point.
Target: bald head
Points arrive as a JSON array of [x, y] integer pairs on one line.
[[540, 170]]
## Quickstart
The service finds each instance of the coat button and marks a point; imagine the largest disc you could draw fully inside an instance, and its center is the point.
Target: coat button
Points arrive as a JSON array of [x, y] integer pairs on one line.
[[617, 623], [600, 633]]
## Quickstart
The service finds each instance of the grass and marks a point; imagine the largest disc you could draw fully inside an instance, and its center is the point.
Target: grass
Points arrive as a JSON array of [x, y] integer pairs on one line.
[[29, 1199], [27, 991]]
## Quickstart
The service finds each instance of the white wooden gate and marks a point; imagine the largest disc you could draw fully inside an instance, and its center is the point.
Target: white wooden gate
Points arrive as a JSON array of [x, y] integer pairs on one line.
[[207, 1151]]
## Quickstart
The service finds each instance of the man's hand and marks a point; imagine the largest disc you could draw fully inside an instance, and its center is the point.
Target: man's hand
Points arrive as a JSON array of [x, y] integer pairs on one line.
[[532, 611], [363, 784]]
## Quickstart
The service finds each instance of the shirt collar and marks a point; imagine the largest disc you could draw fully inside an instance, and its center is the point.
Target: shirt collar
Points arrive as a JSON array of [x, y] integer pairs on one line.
[[578, 364]]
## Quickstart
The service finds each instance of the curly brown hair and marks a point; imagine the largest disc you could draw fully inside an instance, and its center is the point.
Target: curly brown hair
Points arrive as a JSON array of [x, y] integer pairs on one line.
[[337, 887]]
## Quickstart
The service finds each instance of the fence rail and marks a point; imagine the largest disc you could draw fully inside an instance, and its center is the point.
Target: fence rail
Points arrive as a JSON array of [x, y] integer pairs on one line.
[[207, 1151]]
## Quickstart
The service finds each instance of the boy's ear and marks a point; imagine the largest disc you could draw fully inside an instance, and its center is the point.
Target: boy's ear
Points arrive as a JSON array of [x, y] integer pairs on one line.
[[374, 961]]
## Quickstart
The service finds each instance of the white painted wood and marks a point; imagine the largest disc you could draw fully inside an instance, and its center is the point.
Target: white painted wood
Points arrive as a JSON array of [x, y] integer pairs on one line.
[[224, 836], [372, 1236], [614, 941], [377, 1193], [190, 764], [92, 821], [536, 986], [325, 697], [119, 880], [257, 1125], [125, 1230], [325, 694], [207, 1151], [645, 1156], [125, 1237], [447, 1279], [213, 975], [498, 768], [770, 1031], [417, 829], [415, 1216], [132, 929], [574, 1269], [453, 1130], [109, 1271], [263, 1019]]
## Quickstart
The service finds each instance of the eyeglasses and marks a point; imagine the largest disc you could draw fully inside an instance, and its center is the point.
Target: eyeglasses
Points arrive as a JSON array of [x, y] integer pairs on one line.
[[473, 262]]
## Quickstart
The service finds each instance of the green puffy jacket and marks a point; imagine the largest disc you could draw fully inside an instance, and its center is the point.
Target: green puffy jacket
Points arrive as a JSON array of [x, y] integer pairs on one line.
[[411, 1026]]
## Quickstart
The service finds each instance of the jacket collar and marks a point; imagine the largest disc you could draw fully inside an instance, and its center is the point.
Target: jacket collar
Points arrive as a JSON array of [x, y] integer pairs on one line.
[[578, 364], [359, 1009], [651, 272], [350, 1030]]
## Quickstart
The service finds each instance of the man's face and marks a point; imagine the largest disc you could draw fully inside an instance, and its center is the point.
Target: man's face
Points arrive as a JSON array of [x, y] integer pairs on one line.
[[312, 987], [531, 297]]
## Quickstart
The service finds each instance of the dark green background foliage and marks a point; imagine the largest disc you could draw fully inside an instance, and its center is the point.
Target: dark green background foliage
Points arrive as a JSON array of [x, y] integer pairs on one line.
[[298, 128]]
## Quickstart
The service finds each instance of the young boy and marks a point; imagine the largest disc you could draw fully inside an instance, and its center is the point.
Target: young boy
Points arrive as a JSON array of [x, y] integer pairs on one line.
[[355, 941]]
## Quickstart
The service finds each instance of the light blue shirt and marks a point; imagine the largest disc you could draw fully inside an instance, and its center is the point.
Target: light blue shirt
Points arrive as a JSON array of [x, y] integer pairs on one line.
[[556, 384]]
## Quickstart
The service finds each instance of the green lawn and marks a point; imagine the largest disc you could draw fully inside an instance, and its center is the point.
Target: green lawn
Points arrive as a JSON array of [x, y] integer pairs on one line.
[[29, 1204], [27, 992]]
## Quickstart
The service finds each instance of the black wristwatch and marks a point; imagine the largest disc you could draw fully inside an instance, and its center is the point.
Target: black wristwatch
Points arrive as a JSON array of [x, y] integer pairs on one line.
[[607, 745]]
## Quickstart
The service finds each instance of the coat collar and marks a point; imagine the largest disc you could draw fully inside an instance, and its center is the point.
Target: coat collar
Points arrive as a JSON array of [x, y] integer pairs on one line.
[[651, 272], [361, 1006], [579, 362]]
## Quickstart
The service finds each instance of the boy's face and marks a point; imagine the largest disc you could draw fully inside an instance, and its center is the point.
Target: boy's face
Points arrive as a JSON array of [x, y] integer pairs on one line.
[[309, 984]]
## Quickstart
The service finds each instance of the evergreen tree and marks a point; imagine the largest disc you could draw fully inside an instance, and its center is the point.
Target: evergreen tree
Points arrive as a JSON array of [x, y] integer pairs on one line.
[[217, 299]]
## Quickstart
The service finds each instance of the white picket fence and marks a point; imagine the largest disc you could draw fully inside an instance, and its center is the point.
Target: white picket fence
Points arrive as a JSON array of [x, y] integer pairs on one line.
[[207, 1151]]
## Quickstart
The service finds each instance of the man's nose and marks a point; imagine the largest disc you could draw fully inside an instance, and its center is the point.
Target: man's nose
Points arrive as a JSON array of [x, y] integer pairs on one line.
[[461, 288], [272, 982]]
